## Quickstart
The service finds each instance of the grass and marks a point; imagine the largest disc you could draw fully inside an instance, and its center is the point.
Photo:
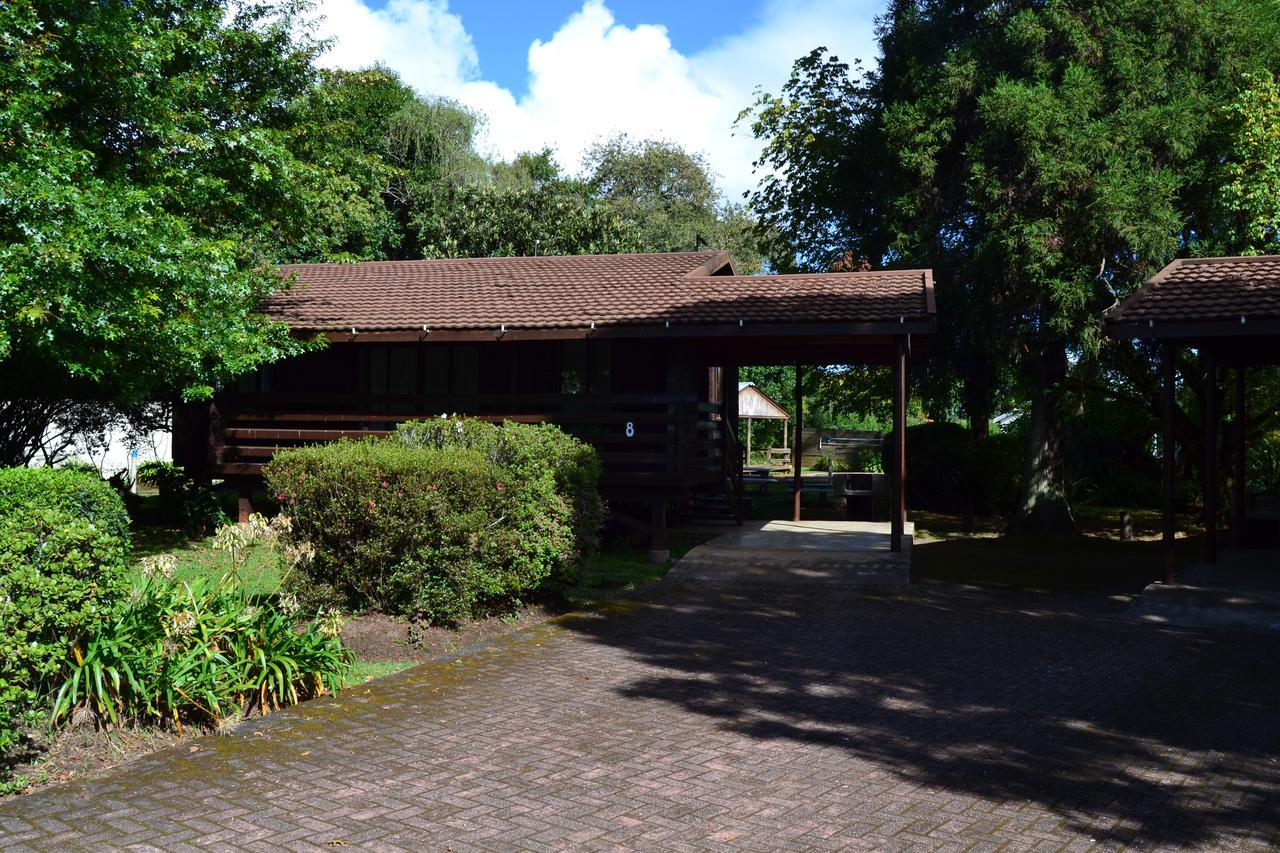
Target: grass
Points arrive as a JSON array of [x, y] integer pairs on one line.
[[198, 558], [368, 670], [1097, 561], [609, 574]]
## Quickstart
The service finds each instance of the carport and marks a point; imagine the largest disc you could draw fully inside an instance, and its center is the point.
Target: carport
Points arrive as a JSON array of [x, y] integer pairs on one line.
[[1228, 310]]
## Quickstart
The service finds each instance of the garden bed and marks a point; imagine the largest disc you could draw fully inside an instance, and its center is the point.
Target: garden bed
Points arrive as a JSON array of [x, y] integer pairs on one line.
[[382, 644]]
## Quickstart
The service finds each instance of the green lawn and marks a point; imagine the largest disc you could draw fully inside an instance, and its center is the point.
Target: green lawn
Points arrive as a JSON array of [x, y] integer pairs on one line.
[[198, 558]]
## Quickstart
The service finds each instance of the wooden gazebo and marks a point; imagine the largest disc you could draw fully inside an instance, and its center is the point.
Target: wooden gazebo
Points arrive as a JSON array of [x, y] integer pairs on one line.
[[617, 349], [753, 405], [1228, 310]]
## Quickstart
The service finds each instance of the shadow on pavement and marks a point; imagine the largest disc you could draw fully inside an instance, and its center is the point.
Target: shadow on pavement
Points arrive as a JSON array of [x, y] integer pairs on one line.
[[1131, 734]]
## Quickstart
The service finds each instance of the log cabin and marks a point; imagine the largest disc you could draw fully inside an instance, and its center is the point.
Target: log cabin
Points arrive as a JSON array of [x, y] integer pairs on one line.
[[631, 353]]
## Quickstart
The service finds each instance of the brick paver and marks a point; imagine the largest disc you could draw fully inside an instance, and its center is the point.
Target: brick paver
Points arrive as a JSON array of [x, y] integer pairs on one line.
[[709, 718]]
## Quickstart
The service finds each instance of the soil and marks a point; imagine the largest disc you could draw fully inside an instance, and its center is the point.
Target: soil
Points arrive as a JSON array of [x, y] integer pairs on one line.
[[378, 637], [86, 751]]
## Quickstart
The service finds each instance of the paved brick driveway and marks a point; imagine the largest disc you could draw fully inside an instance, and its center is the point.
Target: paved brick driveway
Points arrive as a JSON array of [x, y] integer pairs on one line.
[[704, 718]]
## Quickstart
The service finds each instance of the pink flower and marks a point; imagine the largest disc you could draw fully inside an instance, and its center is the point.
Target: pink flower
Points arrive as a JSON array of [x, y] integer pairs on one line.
[[371, 506], [499, 487], [385, 484], [280, 497]]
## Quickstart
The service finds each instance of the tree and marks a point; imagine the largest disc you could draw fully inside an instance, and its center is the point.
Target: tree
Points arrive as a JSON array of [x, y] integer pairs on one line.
[[372, 152], [527, 207], [668, 201], [1252, 186], [1043, 158], [142, 170]]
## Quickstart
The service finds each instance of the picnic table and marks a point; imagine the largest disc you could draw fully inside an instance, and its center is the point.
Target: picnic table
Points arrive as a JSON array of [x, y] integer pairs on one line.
[[762, 475]]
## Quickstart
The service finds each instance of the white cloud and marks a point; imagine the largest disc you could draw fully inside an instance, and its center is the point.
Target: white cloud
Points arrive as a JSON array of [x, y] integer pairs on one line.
[[594, 77]]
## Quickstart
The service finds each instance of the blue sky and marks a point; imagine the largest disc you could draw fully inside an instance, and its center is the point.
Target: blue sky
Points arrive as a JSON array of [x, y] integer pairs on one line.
[[567, 74], [503, 29]]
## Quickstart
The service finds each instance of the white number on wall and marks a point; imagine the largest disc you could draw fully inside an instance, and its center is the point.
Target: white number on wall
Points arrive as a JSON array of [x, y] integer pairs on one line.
[[631, 430]]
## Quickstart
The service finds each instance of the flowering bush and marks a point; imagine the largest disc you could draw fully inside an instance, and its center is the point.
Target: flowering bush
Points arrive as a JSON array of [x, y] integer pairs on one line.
[[205, 650], [440, 533], [530, 452]]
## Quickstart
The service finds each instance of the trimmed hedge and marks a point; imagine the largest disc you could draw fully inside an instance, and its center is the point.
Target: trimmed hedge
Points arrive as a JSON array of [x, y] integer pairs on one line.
[[60, 577], [434, 528], [77, 492], [530, 451]]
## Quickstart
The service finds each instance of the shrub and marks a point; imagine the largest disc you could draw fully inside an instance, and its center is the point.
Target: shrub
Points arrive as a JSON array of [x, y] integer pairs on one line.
[[530, 451], [197, 508], [440, 534], [945, 471], [838, 464], [167, 478], [1263, 472], [60, 577], [203, 650], [76, 492]]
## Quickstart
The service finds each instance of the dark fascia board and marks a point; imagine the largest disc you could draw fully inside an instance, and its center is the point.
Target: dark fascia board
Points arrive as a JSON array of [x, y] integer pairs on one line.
[[915, 326], [1193, 330], [711, 267]]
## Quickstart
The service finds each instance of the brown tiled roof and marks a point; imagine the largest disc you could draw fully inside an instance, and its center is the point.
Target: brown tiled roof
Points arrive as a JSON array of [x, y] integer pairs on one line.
[[576, 291], [1200, 290]]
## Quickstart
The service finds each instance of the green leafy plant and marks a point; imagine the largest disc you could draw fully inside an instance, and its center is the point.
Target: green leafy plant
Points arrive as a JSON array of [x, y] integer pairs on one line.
[[76, 492], [60, 577], [530, 451], [445, 524], [205, 650], [1263, 461]]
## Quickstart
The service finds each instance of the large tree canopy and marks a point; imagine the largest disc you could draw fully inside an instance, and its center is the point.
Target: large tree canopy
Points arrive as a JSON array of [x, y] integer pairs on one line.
[[667, 200], [375, 154], [142, 170], [1043, 158]]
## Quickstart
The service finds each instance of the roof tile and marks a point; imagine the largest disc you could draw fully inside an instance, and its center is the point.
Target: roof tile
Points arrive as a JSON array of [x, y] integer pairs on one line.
[[1206, 289], [575, 291]]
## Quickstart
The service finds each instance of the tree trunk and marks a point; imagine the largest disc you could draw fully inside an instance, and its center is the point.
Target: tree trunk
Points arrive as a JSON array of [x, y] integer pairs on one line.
[[1042, 502], [978, 408]]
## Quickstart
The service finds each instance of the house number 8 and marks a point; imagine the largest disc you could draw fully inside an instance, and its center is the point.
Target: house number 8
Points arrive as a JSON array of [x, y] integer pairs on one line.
[[631, 430]]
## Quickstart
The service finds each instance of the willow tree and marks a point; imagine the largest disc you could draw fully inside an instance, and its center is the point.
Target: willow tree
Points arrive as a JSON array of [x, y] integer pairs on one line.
[[1044, 158]]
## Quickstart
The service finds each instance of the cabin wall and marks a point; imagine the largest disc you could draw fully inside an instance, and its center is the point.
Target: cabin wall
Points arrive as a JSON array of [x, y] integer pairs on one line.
[[644, 406]]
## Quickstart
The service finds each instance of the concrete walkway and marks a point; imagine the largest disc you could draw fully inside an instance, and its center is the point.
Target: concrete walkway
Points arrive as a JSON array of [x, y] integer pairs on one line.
[[848, 554], [766, 717], [1240, 592]]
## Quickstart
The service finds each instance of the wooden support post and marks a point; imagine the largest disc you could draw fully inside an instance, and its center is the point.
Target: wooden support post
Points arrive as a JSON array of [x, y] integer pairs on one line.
[[797, 455], [729, 412], [1238, 462], [1210, 458], [898, 508], [1168, 381], [784, 434], [658, 550], [244, 500], [749, 420]]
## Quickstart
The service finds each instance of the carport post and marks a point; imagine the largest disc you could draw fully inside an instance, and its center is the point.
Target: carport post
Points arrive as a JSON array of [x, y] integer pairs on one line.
[[897, 522], [797, 455], [1167, 376], [1210, 458], [1238, 461]]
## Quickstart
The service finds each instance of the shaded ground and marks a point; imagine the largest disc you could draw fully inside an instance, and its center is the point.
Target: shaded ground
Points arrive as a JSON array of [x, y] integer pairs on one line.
[[704, 716]]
